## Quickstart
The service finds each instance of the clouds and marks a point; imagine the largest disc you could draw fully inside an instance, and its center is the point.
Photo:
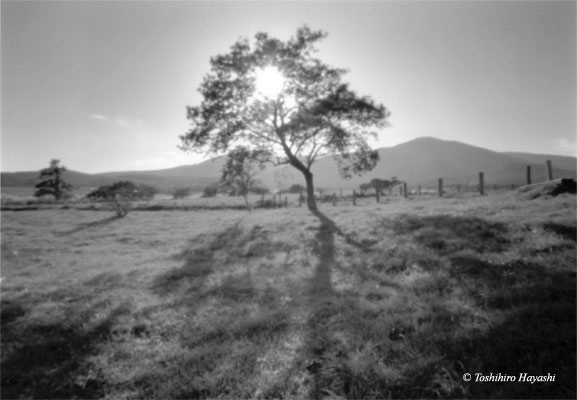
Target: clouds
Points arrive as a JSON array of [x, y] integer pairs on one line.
[[120, 120], [99, 117]]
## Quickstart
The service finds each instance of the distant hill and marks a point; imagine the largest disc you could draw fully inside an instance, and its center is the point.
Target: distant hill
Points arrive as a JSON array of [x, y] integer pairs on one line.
[[418, 162]]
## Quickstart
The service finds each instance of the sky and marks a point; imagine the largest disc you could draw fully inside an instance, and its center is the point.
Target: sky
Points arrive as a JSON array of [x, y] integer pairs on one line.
[[103, 85]]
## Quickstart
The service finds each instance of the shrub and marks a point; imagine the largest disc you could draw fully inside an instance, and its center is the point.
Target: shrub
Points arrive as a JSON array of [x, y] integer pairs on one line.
[[210, 191], [181, 193]]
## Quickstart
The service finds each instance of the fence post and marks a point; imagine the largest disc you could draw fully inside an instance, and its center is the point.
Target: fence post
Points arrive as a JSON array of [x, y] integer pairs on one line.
[[419, 190], [354, 197], [528, 174], [549, 170], [334, 199], [378, 193], [481, 183], [440, 188]]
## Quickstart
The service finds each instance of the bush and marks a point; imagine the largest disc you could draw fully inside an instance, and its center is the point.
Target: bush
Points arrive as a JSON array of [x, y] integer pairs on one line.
[[210, 191], [181, 193]]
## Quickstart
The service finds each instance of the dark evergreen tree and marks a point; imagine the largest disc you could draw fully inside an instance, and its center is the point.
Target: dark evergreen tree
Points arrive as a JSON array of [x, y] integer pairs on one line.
[[51, 182]]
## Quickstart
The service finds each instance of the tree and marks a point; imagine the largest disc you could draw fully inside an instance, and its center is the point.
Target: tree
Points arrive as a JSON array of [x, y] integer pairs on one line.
[[51, 182], [312, 115], [210, 191], [240, 169], [296, 188], [181, 193], [382, 184], [121, 194]]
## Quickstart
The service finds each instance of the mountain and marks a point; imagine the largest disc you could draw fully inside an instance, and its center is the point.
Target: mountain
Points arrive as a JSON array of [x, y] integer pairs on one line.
[[418, 162]]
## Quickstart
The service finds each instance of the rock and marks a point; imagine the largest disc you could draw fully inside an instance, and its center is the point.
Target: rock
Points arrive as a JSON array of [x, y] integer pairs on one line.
[[547, 189]]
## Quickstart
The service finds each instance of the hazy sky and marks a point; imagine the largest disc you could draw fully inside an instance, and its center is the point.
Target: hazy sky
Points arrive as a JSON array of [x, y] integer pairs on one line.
[[103, 85]]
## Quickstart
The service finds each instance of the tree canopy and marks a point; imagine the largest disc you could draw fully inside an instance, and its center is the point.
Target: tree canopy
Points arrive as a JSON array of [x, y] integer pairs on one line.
[[314, 114]]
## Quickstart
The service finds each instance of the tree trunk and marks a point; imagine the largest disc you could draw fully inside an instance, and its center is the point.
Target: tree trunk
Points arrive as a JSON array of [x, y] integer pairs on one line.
[[247, 203], [311, 202]]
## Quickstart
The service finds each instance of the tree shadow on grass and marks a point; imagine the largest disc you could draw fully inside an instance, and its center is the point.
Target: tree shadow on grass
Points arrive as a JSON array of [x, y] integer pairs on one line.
[[48, 361], [89, 225], [568, 232], [537, 338], [537, 335], [198, 264], [538, 302]]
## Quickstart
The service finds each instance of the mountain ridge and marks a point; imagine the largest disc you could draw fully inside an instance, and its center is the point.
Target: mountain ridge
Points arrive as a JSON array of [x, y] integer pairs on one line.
[[420, 161]]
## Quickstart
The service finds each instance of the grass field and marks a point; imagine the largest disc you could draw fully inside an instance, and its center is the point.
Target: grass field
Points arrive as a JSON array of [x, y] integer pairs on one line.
[[394, 300]]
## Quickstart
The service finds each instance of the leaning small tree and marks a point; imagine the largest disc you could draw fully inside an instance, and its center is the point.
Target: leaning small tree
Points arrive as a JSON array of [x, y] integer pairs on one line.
[[121, 195], [310, 113], [240, 170], [51, 182]]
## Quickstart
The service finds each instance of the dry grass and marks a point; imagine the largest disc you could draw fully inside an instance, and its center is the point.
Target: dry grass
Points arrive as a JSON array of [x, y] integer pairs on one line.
[[385, 300]]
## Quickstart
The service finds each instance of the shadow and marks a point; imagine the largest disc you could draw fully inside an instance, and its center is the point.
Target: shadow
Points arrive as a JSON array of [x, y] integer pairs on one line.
[[568, 232], [538, 336], [325, 360], [198, 264], [532, 307], [88, 225], [446, 234], [48, 361]]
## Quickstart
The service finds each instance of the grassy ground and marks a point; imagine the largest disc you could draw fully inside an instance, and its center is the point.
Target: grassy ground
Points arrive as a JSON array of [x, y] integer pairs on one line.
[[394, 300]]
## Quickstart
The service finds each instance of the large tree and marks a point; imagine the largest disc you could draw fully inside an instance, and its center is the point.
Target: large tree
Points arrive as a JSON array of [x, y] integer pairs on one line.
[[311, 114]]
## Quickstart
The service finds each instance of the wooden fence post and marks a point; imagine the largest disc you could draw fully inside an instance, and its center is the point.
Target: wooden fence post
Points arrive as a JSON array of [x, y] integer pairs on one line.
[[440, 188], [354, 198], [528, 174], [405, 190], [549, 170], [378, 193], [481, 183], [334, 199], [419, 190]]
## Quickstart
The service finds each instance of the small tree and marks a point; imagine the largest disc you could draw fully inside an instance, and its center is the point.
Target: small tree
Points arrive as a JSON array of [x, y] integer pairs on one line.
[[181, 193], [120, 195], [296, 188], [146, 192], [240, 169], [51, 182], [210, 191], [312, 113]]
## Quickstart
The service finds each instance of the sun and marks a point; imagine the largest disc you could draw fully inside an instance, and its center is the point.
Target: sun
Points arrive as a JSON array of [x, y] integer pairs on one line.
[[269, 82]]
